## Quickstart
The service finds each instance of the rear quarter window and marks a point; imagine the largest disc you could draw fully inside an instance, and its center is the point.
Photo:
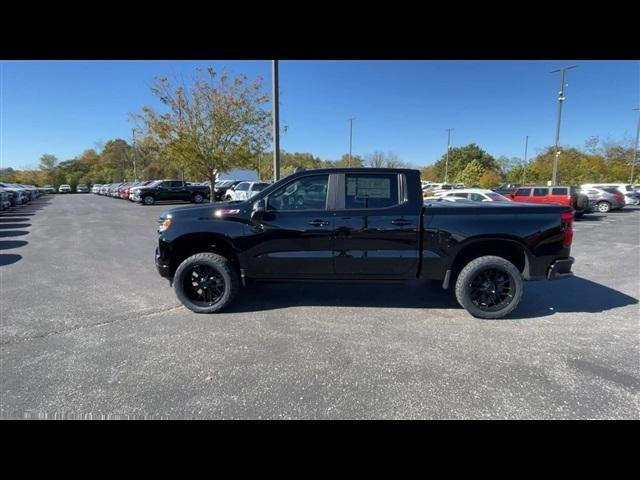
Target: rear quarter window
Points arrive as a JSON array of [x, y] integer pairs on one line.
[[540, 192], [559, 191]]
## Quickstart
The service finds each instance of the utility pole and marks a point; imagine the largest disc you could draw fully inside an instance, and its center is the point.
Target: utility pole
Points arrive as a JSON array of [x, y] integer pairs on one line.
[[524, 166], [276, 119], [135, 171], [560, 100], [350, 139], [446, 165], [635, 150]]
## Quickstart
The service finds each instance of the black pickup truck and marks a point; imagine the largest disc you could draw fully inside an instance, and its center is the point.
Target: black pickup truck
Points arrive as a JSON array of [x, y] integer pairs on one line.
[[163, 190], [363, 225]]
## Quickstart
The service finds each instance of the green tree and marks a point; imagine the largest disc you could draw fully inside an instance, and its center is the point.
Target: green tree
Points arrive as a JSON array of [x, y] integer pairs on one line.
[[48, 164], [460, 157], [215, 124], [490, 179], [471, 173]]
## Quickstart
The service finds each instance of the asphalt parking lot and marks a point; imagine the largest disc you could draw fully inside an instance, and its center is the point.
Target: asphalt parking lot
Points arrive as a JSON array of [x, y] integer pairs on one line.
[[89, 329]]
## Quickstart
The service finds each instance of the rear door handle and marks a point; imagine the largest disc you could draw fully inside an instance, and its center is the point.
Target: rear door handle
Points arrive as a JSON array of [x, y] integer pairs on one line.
[[318, 223], [401, 221]]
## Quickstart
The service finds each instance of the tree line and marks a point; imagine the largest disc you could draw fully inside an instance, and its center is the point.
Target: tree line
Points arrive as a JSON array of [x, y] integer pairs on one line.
[[218, 123]]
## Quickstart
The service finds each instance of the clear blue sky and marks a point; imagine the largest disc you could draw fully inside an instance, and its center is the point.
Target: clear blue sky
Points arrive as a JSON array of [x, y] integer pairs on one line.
[[65, 107]]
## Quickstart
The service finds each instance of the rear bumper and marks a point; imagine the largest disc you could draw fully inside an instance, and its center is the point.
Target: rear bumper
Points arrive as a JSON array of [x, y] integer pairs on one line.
[[560, 269]]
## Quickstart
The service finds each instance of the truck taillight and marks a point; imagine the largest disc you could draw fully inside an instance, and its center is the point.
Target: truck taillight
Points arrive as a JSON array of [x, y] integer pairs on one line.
[[567, 222]]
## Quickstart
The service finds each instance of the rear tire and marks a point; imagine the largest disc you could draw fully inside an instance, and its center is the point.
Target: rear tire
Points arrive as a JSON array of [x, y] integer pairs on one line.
[[489, 287], [603, 207], [206, 283], [197, 198]]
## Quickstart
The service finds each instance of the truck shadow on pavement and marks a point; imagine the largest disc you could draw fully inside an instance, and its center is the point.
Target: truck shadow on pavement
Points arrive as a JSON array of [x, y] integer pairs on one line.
[[573, 295]]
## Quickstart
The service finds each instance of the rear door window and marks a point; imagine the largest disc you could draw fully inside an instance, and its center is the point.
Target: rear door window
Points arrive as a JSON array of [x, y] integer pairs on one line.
[[523, 192], [559, 191], [540, 192], [371, 191]]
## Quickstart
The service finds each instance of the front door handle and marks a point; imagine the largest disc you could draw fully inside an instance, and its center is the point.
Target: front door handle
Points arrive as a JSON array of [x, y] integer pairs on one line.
[[401, 221], [318, 223]]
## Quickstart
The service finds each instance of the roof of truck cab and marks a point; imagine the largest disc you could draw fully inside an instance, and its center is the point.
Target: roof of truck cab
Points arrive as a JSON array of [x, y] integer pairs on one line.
[[354, 170]]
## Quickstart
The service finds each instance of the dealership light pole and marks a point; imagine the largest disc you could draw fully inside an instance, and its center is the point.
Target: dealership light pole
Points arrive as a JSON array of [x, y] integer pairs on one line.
[[350, 139], [635, 150], [524, 166], [560, 100], [446, 164], [276, 119], [135, 171]]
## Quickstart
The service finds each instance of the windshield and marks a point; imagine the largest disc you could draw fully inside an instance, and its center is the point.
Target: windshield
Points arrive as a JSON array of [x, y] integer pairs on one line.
[[496, 197]]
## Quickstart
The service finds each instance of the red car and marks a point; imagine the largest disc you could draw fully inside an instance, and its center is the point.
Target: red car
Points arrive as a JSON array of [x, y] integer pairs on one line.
[[557, 195]]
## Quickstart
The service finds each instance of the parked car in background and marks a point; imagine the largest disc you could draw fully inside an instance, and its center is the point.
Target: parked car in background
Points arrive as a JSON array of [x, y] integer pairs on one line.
[[245, 190], [557, 195], [449, 199], [221, 187], [48, 189], [629, 194], [431, 188], [31, 191], [135, 189], [4, 199], [82, 188], [17, 195], [507, 189], [104, 189], [605, 199], [474, 194], [164, 190], [113, 189], [65, 188], [96, 188]]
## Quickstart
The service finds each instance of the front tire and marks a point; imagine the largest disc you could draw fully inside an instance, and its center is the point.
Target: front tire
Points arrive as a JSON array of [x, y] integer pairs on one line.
[[148, 200], [489, 287], [206, 283], [603, 207]]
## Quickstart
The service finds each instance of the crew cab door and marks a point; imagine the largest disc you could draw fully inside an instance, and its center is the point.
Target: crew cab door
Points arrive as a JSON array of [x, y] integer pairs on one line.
[[294, 238], [169, 190], [377, 227]]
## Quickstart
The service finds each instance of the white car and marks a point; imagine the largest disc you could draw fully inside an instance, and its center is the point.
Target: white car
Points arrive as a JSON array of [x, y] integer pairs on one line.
[[64, 188], [245, 190], [474, 194], [96, 188]]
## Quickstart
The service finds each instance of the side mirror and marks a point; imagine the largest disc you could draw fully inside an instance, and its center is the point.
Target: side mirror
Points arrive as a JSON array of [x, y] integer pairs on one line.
[[257, 214]]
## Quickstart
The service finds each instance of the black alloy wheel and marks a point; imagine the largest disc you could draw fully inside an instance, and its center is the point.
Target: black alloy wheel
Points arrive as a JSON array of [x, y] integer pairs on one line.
[[491, 290], [203, 285]]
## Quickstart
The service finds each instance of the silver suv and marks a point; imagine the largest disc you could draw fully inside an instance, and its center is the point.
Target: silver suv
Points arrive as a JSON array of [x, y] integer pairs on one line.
[[605, 198]]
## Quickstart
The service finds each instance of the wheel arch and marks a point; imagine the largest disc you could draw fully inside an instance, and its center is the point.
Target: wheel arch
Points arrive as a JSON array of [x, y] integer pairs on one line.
[[511, 249], [200, 242]]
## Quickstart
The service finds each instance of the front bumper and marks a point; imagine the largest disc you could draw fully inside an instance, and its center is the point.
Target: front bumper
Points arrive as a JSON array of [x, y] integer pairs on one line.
[[162, 265], [560, 269]]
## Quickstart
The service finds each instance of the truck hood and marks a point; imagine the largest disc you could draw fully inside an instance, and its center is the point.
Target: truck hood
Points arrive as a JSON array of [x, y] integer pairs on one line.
[[207, 210]]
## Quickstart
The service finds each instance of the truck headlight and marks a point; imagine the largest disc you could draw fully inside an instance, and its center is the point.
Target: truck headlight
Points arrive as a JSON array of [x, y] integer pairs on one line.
[[164, 225]]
